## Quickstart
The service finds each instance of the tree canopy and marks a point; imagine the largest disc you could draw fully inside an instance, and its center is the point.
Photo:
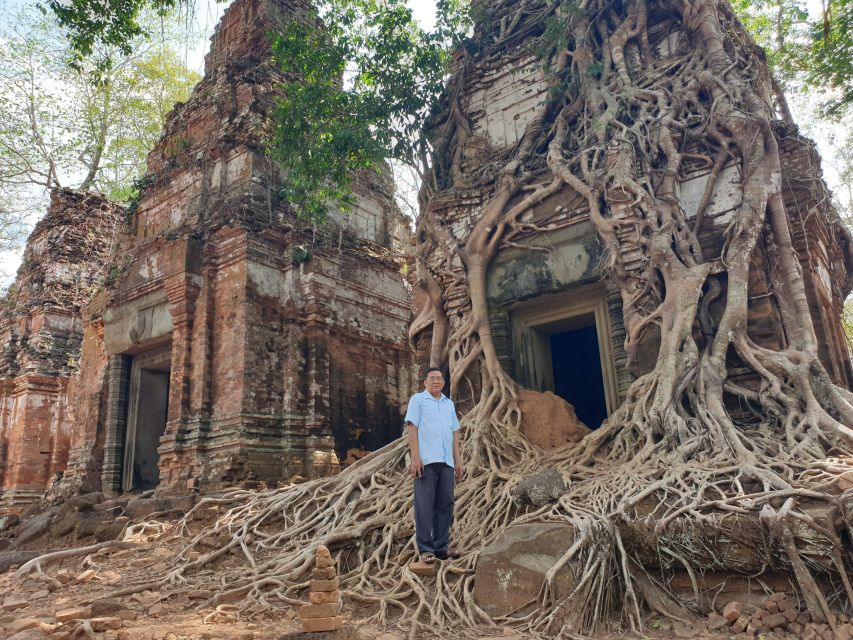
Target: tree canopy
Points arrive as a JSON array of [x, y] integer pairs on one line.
[[76, 122], [363, 85], [806, 49]]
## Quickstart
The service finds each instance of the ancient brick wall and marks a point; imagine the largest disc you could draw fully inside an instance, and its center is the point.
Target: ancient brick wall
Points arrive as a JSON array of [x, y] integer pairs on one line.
[[283, 345], [41, 329]]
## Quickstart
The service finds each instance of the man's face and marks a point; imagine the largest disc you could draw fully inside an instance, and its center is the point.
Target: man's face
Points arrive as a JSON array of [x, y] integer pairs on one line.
[[434, 382]]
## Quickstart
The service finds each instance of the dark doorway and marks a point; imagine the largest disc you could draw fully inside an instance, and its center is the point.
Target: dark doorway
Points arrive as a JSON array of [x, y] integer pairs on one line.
[[148, 405], [577, 373], [150, 425]]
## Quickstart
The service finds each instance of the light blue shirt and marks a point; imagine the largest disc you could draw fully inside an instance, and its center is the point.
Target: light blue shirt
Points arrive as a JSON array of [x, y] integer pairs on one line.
[[436, 421]]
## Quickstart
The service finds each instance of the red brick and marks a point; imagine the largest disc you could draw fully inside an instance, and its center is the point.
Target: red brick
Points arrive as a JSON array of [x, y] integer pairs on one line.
[[322, 624], [320, 610], [328, 573], [732, 611], [740, 624], [324, 585], [324, 597], [73, 613]]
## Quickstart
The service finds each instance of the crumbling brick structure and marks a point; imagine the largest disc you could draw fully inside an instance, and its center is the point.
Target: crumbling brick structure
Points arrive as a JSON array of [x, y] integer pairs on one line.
[[231, 342], [239, 344], [41, 329]]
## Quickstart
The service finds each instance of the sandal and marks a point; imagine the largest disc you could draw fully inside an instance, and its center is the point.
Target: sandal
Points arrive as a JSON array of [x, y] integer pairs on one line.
[[429, 558]]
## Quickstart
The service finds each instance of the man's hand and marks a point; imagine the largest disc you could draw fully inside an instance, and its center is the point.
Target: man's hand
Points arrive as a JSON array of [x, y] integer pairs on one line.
[[460, 470], [417, 469]]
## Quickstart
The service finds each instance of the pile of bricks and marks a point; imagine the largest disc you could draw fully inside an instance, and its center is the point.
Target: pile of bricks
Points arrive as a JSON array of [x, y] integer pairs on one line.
[[323, 614], [781, 612]]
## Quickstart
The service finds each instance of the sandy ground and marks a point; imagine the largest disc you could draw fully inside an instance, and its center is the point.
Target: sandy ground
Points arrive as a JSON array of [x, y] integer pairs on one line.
[[31, 608], [183, 616]]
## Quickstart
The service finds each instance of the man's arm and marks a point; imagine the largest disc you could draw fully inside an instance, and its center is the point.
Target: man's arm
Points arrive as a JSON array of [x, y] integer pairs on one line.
[[457, 456], [417, 468]]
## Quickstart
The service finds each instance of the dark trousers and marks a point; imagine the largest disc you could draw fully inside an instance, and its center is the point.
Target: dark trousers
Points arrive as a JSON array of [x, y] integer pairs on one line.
[[434, 508]]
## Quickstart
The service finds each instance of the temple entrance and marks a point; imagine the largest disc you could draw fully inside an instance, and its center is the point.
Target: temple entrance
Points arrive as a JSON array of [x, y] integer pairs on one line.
[[148, 405], [561, 343], [576, 363]]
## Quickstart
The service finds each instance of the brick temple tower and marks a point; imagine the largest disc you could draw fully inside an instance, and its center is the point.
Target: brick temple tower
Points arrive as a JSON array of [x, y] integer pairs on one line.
[[237, 344]]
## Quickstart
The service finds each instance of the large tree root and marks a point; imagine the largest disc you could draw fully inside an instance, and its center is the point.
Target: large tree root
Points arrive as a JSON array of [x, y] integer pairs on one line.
[[38, 563]]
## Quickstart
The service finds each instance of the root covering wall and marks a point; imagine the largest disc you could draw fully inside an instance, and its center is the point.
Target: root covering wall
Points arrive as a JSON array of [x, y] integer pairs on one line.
[[568, 263]]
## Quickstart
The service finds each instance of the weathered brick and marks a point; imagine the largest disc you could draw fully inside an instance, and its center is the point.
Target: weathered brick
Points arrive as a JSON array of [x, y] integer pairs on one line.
[[324, 597], [106, 624], [320, 610], [328, 573], [206, 255], [322, 624], [732, 611], [72, 613], [324, 585]]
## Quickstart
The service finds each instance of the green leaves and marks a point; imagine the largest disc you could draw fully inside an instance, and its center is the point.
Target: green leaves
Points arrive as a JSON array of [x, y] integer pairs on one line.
[[781, 27], [359, 89], [806, 50], [104, 24], [832, 56], [79, 122]]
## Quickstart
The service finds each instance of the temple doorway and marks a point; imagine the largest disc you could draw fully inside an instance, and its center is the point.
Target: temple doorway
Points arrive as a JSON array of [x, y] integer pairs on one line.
[[148, 406], [561, 343], [576, 363]]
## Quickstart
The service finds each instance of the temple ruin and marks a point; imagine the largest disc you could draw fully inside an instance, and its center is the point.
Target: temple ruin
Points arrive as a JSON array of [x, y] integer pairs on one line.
[[556, 316], [41, 331], [231, 343]]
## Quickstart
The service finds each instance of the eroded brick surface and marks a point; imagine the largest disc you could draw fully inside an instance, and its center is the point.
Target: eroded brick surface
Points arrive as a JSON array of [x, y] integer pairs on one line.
[[41, 329], [277, 363], [282, 349]]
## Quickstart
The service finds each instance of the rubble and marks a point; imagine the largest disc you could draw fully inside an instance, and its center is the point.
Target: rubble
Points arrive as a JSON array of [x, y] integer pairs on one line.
[[780, 612]]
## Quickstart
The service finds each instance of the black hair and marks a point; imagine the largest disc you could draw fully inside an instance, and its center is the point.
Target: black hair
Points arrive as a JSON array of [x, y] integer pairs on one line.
[[431, 369]]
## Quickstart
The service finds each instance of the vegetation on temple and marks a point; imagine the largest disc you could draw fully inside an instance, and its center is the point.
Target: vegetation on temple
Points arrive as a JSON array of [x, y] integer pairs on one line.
[[672, 464]]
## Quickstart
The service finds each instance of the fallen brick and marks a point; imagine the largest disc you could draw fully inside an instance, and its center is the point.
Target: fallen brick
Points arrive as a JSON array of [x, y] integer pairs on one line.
[[106, 624], [12, 603], [732, 611], [791, 614], [72, 613], [22, 624], [87, 576], [740, 624], [774, 620]]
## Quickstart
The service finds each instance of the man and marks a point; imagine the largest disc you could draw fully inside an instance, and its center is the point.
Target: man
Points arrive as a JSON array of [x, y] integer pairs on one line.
[[433, 435]]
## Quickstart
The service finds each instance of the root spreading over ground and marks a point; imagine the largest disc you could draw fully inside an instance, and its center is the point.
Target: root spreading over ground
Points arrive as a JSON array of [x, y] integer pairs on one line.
[[673, 470]]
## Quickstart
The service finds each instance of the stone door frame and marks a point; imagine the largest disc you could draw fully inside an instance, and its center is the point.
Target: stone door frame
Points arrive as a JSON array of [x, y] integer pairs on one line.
[[159, 359], [534, 321]]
